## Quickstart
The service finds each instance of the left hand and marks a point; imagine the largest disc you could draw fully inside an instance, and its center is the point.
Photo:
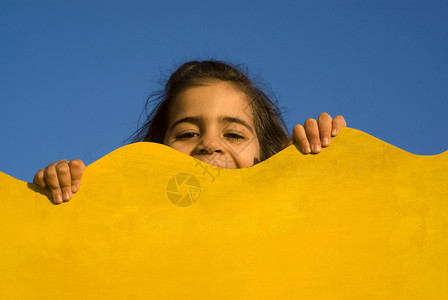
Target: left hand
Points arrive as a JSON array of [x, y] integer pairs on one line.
[[314, 135]]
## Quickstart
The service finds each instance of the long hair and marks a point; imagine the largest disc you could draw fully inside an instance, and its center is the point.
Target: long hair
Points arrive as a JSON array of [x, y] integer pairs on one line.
[[269, 124]]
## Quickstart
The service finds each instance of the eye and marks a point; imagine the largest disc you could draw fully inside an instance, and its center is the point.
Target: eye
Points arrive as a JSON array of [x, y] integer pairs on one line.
[[234, 136], [186, 136]]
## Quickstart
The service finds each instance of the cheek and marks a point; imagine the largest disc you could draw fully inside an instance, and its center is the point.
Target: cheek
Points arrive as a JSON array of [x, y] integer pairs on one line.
[[254, 149], [249, 155]]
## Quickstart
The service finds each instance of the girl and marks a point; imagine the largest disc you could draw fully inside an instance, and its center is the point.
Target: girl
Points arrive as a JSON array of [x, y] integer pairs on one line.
[[213, 112]]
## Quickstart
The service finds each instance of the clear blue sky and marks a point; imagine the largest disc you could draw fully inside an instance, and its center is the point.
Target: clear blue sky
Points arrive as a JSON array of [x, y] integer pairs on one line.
[[74, 75]]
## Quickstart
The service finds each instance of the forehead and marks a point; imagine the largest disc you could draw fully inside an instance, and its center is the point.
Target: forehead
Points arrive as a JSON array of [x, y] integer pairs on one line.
[[210, 101]]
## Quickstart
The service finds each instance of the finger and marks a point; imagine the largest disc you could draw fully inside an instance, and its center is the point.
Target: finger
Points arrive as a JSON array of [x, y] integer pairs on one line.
[[299, 135], [313, 135], [338, 123], [325, 127], [39, 179], [76, 170], [51, 178], [65, 181]]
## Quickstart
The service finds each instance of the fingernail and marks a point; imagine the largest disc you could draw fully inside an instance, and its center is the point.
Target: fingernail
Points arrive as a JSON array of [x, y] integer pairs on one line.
[[66, 196], [307, 149], [334, 132], [325, 142], [316, 148], [74, 188], [58, 199]]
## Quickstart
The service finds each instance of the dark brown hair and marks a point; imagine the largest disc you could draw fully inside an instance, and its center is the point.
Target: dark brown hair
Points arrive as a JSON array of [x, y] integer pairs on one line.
[[269, 125]]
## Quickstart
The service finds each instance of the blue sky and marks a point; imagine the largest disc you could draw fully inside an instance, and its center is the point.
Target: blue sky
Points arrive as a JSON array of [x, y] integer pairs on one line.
[[74, 75]]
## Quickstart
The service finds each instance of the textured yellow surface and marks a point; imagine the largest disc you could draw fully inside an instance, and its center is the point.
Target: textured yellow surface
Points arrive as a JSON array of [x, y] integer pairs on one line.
[[361, 220]]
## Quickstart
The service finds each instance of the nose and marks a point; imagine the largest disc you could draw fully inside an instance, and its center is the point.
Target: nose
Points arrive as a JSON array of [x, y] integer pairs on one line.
[[209, 145]]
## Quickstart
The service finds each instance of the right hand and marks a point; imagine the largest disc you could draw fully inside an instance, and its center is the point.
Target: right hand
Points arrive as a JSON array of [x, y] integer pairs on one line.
[[60, 180]]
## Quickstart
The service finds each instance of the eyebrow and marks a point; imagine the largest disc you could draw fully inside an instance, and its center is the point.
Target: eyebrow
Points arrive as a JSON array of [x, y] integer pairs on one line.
[[222, 119], [194, 120], [229, 119]]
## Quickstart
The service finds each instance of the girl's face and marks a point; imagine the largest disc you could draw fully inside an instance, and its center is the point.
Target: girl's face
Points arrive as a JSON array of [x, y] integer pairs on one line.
[[214, 123]]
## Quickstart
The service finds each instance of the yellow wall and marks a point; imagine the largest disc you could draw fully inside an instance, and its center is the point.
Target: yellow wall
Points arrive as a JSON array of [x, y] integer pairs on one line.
[[361, 220]]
